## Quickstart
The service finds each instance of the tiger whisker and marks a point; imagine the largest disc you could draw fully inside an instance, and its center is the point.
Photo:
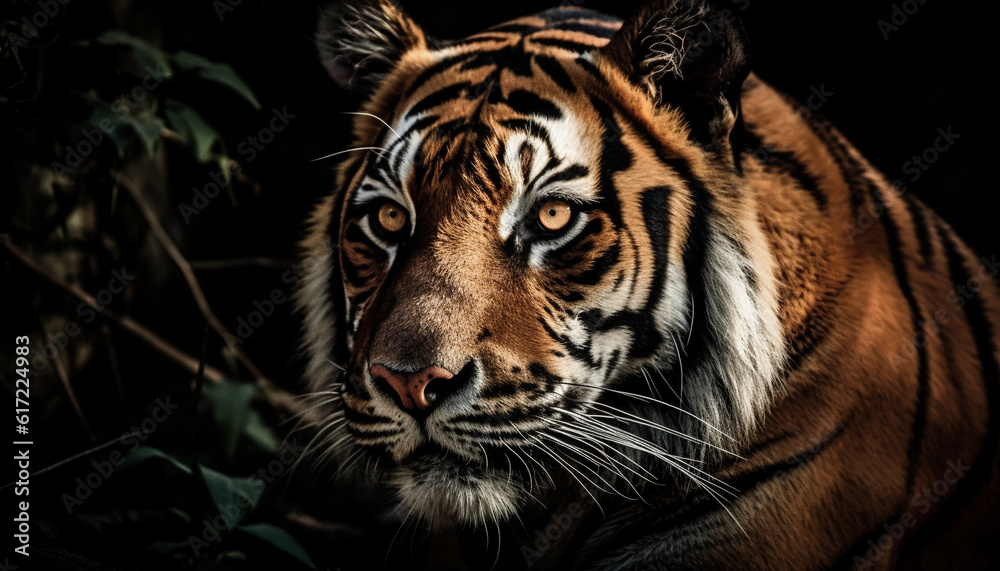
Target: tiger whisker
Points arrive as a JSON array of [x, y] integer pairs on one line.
[[587, 456], [625, 416], [611, 464], [302, 419], [486, 457], [329, 443], [558, 460], [569, 469], [527, 468], [669, 386], [328, 360], [499, 541], [319, 434], [690, 321], [585, 430], [647, 399], [382, 149], [402, 524], [376, 117], [649, 383], [540, 465], [618, 436], [351, 460], [680, 366]]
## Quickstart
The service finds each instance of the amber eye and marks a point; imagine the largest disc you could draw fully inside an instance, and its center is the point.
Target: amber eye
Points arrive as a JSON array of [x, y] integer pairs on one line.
[[554, 215], [391, 218]]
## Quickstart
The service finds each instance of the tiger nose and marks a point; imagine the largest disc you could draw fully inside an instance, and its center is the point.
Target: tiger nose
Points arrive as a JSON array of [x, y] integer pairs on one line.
[[417, 391]]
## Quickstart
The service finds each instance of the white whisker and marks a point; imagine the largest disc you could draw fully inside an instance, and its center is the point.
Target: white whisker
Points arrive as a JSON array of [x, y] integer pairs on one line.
[[379, 119], [380, 149], [331, 362]]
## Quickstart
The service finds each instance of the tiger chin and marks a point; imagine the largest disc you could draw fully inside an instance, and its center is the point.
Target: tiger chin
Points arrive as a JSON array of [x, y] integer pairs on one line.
[[577, 265]]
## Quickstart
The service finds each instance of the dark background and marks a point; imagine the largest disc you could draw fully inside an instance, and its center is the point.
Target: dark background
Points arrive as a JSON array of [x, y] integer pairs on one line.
[[889, 96]]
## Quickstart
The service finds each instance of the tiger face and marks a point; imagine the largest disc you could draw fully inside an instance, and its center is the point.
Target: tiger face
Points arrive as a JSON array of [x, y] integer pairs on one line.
[[539, 269]]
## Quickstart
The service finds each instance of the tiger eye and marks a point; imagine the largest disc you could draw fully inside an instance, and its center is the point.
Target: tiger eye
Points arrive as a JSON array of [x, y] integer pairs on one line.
[[391, 218], [554, 215]]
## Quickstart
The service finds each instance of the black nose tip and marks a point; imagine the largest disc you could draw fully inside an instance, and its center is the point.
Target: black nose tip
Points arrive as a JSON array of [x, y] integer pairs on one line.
[[420, 392]]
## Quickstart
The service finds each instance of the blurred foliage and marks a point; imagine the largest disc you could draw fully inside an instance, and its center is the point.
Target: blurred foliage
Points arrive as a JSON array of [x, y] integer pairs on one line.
[[83, 113], [141, 114], [227, 505]]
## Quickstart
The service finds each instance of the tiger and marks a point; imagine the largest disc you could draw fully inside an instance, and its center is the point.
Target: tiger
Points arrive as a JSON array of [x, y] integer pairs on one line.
[[592, 290]]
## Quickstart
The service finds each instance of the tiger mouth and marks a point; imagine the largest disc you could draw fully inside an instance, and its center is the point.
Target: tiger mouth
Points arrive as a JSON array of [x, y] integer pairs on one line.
[[431, 457], [430, 452], [442, 488]]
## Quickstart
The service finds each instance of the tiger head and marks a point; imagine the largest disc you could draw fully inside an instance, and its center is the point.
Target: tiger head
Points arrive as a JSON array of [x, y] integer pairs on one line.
[[539, 266]]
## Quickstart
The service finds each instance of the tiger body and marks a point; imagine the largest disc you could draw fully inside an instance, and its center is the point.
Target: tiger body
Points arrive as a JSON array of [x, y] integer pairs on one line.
[[744, 348]]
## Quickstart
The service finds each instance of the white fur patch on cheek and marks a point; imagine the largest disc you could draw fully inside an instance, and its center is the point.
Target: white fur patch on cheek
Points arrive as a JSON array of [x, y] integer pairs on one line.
[[605, 345]]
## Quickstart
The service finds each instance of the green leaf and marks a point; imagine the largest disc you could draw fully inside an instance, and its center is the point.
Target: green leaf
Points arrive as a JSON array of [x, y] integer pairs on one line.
[[148, 129], [260, 434], [146, 453], [110, 122], [280, 539], [181, 514], [145, 55], [192, 128], [225, 75], [223, 163], [187, 61], [233, 555], [218, 72], [229, 402], [174, 549], [232, 496]]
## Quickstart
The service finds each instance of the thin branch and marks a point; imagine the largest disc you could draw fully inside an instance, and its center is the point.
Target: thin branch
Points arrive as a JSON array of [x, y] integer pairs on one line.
[[116, 373], [272, 393], [63, 375], [192, 281], [86, 452], [161, 346]]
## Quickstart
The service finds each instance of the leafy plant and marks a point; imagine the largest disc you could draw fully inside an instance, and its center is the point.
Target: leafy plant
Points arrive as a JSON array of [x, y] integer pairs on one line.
[[149, 112], [217, 526]]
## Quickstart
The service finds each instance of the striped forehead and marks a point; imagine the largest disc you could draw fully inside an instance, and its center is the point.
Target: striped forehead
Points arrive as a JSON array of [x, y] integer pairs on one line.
[[540, 155]]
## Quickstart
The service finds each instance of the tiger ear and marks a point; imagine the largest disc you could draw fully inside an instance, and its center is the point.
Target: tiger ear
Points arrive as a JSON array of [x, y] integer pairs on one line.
[[688, 54], [360, 42]]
